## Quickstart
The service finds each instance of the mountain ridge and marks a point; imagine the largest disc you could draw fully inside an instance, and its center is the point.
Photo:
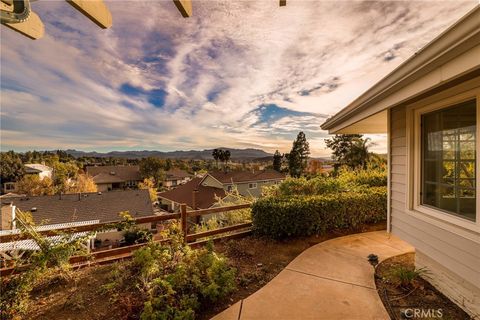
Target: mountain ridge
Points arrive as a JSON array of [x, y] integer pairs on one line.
[[236, 154]]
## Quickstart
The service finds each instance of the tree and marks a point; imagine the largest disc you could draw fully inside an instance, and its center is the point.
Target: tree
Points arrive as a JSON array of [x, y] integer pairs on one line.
[[226, 157], [216, 156], [33, 186], [350, 150], [153, 168], [11, 166], [83, 183], [298, 156], [277, 161], [149, 183]]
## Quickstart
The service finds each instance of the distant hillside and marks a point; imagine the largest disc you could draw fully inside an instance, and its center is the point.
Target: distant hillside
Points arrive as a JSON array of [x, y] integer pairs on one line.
[[236, 154]]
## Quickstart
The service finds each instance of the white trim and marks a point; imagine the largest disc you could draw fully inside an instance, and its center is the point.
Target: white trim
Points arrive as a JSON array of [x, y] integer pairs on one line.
[[413, 115], [389, 171]]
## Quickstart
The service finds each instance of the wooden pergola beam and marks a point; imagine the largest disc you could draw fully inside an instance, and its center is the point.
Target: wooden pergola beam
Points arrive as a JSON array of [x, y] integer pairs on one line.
[[184, 6], [95, 10], [33, 27]]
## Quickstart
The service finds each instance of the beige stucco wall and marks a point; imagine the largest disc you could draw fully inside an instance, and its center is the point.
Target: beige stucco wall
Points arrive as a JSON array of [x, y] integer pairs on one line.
[[449, 251]]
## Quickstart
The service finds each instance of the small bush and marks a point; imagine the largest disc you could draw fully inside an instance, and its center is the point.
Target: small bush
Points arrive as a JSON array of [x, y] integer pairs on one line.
[[281, 216], [405, 278], [172, 279]]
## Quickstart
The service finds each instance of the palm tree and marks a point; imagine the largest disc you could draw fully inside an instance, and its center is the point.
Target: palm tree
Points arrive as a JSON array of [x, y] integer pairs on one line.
[[360, 153], [226, 157], [216, 156]]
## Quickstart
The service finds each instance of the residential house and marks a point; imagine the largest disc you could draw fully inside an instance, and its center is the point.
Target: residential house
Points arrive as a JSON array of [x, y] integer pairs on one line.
[[176, 177], [429, 107], [193, 194], [83, 208], [30, 169], [247, 183], [109, 178]]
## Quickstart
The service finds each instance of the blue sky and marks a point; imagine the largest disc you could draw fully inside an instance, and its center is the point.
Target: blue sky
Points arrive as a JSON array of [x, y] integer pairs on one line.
[[238, 73]]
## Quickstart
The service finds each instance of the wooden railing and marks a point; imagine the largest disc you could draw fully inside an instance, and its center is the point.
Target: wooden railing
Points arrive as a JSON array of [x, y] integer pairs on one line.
[[110, 255]]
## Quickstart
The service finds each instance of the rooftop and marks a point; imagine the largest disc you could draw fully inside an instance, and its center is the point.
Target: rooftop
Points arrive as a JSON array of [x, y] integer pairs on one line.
[[205, 197], [114, 174], [104, 207], [246, 176]]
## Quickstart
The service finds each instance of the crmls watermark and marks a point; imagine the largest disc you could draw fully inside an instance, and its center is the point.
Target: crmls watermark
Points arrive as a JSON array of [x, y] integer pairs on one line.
[[419, 313]]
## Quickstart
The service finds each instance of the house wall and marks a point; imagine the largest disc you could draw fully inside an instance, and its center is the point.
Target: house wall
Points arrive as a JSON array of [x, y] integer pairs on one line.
[[244, 190], [115, 235], [104, 187], [450, 252], [211, 182]]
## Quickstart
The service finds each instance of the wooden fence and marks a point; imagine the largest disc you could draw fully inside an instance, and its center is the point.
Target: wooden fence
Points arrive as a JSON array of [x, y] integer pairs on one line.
[[115, 254]]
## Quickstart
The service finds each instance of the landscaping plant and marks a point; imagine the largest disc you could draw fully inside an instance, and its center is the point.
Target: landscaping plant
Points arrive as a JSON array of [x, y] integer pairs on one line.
[[172, 280]]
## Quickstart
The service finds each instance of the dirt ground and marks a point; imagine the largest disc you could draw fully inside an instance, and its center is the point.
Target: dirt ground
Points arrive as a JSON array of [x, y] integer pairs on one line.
[[401, 301], [257, 261]]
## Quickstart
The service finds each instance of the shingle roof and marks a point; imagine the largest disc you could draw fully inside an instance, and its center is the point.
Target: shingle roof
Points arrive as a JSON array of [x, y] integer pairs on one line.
[[107, 178], [246, 176], [205, 197], [121, 173], [176, 174], [86, 206]]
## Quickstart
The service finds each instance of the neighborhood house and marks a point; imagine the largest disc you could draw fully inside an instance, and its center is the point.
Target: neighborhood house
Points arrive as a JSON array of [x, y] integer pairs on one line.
[[175, 177], [430, 108], [30, 169], [65, 210], [203, 193], [109, 178]]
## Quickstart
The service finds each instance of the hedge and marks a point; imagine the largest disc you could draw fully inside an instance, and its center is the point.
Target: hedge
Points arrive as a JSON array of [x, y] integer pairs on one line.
[[280, 217]]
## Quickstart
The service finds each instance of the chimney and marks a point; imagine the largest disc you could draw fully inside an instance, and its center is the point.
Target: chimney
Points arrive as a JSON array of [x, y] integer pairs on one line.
[[8, 217], [194, 199], [194, 204]]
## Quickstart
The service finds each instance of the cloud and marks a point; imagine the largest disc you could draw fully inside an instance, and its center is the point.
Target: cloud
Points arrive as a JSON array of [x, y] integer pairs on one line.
[[237, 73]]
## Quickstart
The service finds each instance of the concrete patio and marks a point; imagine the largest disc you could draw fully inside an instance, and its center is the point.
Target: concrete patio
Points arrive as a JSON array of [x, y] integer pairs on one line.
[[331, 280]]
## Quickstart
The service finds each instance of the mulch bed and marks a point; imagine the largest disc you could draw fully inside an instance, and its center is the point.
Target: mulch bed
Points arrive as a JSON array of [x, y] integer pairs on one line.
[[257, 261], [416, 300]]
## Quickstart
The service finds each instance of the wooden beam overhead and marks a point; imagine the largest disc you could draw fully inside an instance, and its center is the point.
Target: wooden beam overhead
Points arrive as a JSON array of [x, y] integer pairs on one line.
[[33, 27], [95, 10], [283, 3], [184, 6]]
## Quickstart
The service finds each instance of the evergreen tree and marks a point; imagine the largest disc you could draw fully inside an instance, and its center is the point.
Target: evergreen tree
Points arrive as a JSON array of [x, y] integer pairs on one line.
[[277, 161], [298, 156]]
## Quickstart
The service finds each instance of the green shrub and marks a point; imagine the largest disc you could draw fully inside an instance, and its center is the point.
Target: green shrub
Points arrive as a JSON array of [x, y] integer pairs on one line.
[[174, 280], [370, 178], [282, 216]]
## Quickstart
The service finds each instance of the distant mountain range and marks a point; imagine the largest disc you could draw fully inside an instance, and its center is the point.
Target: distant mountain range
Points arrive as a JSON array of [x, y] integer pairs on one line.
[[236, 154]]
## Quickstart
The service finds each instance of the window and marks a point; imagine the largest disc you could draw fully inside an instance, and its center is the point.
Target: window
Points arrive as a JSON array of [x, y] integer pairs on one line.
[[252, 186], [229, 188], [448, 159]]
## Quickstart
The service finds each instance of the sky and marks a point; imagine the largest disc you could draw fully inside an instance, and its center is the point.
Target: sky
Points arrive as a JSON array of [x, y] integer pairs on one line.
[[239, 74]]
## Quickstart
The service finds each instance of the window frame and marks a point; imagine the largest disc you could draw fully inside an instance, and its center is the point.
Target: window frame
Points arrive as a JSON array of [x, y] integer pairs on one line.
[[253, 185], [415, 160]]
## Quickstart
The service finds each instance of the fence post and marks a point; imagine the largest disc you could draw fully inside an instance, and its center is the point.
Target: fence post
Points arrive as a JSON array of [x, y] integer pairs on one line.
[[183, 212]]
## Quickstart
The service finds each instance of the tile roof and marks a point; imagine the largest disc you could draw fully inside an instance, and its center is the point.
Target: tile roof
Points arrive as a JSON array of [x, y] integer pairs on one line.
[[205, 197], [246, 176], [86, 206], [121, 173]]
